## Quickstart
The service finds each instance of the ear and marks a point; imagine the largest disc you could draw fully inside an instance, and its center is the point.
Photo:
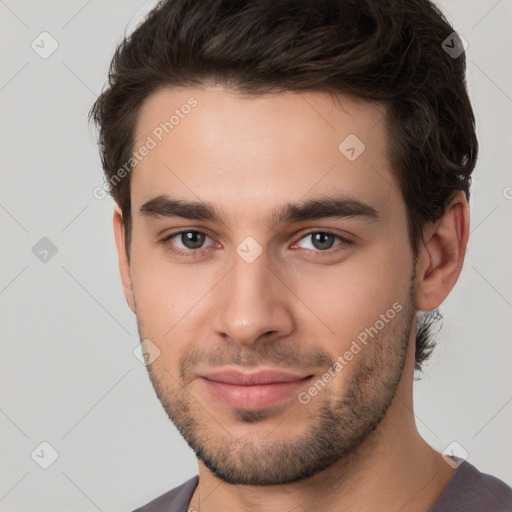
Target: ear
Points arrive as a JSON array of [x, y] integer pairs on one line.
[[124, 265], [441, 254]]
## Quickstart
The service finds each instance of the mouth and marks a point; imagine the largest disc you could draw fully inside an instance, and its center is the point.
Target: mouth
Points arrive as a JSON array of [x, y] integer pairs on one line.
[[253, 391]]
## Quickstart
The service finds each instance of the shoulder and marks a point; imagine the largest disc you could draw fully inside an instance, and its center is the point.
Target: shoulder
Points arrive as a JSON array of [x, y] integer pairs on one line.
[[469, 490], [175, 500]]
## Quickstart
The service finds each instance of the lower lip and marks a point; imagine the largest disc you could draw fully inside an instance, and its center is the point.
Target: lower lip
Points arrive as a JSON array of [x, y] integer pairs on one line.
[[253, 397]]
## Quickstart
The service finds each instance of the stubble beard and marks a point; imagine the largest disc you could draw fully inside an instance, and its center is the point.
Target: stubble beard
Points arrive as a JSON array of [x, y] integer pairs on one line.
[[335, 431]]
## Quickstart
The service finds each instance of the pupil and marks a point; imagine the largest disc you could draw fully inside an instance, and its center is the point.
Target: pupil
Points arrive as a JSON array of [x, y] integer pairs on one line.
[[192, 239], [323, 240]]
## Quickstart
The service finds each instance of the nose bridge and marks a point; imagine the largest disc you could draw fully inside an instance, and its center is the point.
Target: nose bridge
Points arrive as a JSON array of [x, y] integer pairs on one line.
[[253, 301]]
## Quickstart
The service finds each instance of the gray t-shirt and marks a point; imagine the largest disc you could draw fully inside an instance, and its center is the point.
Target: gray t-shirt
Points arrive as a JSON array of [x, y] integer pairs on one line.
[[467, 491]]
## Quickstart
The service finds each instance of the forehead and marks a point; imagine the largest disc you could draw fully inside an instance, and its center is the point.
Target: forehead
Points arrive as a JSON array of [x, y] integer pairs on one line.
[[256, 152]]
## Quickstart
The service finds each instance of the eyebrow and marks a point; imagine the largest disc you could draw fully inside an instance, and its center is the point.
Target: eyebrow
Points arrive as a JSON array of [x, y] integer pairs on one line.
[[325, 207]]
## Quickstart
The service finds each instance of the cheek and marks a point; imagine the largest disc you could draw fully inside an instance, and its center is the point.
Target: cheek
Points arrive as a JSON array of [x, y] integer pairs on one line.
[[162, 290], [156, 298], [164, 317], [342, 301], [170, 304], [157, 295]]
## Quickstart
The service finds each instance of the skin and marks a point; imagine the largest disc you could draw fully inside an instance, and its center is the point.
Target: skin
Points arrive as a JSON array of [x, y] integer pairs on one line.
[[354, 446]]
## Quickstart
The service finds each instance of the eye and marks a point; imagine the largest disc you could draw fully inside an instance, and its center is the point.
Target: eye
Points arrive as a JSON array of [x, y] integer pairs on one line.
[[322, 241], [191, 243], [187, 242]]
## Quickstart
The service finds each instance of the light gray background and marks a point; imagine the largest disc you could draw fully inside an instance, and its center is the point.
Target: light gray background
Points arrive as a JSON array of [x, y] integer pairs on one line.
[[68, 375]]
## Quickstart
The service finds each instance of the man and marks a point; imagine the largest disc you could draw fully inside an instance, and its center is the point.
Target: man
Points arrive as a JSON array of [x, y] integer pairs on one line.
[[291, 182]]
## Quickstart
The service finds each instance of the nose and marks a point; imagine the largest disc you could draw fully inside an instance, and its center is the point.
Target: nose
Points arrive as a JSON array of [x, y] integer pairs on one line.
[[254, 305]]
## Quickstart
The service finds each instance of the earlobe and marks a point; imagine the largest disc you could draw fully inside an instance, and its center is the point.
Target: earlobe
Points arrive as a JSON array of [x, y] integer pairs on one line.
[[442, 254], [124, 265]]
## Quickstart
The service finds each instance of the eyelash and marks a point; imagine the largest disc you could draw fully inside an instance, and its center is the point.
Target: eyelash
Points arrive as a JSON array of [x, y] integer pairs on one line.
[[195, 253]]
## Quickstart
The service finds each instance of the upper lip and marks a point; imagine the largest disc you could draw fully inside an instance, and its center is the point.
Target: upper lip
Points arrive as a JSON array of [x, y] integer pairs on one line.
[[253, 378]]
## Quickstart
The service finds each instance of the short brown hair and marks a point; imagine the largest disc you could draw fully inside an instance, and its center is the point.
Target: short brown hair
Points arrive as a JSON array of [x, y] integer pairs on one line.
[[394, 52]]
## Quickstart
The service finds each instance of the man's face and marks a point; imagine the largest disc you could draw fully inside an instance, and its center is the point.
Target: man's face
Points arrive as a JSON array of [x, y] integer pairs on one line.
[[258, 283]]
